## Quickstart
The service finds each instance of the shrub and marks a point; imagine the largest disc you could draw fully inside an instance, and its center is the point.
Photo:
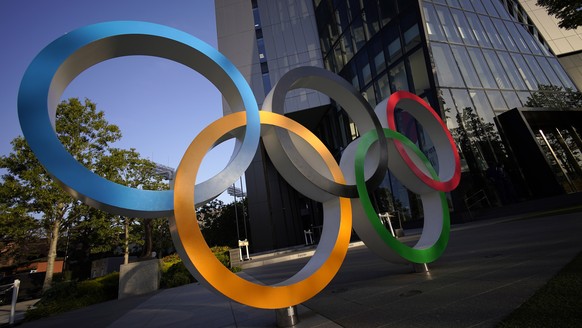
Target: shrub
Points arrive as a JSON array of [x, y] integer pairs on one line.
[[175, 273], [71, 295]]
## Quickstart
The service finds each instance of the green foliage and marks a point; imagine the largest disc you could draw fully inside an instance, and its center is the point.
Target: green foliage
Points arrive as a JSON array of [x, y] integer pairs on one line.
[[71, 295], [85, 134], [175, 273], [218, 222], [557, 304], [221, 253], [555, 97], [567, 12], [27, 192]]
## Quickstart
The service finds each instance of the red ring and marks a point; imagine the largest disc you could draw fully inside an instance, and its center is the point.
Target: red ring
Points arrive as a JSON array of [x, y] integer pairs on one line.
[[445, 186]]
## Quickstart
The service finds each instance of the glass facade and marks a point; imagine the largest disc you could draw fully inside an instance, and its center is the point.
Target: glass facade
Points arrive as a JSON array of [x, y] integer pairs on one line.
[[471, 60], [380, 47], [487, 61]]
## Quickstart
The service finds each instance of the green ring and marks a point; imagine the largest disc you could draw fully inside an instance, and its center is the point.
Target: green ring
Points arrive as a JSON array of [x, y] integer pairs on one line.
[[416, 255]]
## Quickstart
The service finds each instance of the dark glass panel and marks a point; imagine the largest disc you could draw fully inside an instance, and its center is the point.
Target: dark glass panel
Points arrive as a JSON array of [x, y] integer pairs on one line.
[[466, 66], [448, 24], [536, 70], [497, 69], [447, 70], [545, 65], [478, 30], [398, 79], [491, 31], [511, 70], [418, 72], [505, 35], [482, 68], [525, 72], [433, 26], [465, 29]]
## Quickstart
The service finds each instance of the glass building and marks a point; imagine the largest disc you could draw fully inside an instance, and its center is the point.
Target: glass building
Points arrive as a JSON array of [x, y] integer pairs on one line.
[[476, 63]]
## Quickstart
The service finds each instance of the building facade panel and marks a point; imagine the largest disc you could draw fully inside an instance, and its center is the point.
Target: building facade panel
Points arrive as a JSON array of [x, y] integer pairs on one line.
[[473, 61]]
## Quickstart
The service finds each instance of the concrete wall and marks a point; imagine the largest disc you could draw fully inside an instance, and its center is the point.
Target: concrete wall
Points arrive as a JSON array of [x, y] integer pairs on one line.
[[139, 278]]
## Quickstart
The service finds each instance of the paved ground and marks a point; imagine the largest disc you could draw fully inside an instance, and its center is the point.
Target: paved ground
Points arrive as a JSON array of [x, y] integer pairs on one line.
[[488, 270]]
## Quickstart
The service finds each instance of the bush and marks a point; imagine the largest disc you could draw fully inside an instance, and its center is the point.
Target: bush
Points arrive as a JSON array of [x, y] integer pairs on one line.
[[71, 295], [175, 273]]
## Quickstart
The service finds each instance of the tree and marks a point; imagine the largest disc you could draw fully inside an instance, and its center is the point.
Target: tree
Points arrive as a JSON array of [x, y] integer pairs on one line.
[[218, 222], [555, 97], [127, 168], [86, 135], [568, 12], [17, 229]]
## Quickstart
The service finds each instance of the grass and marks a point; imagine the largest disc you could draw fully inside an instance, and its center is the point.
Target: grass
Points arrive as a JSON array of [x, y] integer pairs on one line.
[[557, 304]]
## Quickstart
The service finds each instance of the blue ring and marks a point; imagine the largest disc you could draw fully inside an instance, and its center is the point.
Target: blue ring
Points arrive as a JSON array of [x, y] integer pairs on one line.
[[66, 57]]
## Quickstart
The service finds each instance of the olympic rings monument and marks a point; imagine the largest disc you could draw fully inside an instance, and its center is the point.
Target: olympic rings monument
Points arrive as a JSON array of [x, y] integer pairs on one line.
[[298, 155]]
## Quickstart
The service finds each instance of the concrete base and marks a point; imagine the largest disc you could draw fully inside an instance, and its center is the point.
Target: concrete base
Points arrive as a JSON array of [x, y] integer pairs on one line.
[[139, 278]]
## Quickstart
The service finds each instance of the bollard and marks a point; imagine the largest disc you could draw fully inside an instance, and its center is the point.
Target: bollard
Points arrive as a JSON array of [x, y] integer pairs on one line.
[[14, 298], [287, 317]]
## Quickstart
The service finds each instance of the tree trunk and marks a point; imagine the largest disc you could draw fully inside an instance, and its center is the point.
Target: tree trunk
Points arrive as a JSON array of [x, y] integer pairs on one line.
[[52, 254], [148, 238], [126, 244]]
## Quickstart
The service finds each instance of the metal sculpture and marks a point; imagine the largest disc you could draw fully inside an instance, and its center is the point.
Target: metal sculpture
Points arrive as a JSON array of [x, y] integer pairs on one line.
[[297, 154]]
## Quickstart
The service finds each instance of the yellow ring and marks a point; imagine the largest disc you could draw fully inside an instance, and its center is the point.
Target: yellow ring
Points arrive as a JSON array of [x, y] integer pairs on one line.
[[198, 256]]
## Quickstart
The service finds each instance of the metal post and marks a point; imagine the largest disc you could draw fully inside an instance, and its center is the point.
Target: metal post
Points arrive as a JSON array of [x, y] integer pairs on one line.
[[236, 213], [287, 317], [243, 209], [420, 267], [15, 289]]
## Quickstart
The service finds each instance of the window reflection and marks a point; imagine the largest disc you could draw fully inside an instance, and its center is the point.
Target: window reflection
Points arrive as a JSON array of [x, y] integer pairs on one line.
[[489, 7], [448, 24], [511, 99], [561, 74], [511, 70], [524, 71], [359, 34], [513, 28], [447, 70], [411, 37], [542, 61], [533, 45], [466, 67], [496, 100], [398, 80], [478, 5], [478, 30], [497, 69], [505, 35], [482, 105], [419, 72], [536, 70], [392, 44], [433, 26], [483, 71], [464, 29], [383, 87], [492, 33]]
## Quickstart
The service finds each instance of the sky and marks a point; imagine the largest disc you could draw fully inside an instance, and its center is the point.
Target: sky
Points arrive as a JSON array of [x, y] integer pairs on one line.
[[159, 105]]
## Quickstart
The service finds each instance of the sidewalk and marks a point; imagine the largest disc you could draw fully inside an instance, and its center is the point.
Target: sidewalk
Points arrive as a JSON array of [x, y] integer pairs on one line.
[[21, 307], [488, 270]]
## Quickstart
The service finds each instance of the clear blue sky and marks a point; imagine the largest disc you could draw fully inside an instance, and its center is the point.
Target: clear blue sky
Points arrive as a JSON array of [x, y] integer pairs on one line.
[[159, 105]]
